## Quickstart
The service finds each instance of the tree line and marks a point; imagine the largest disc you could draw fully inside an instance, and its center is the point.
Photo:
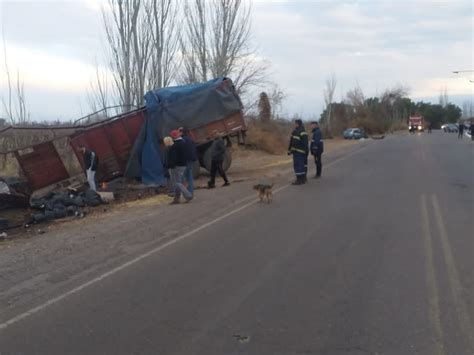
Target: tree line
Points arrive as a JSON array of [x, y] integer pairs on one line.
[[389, 111]]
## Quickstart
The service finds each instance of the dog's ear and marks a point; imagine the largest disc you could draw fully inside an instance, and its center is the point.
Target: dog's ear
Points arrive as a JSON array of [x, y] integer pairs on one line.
[[256, 187]]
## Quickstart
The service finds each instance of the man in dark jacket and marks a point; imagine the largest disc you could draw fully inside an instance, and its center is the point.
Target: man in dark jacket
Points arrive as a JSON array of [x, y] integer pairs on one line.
[[317, 148], [191, 158], [299, 149], [461, 130], [177, 166], [91, 162], [218, 151]]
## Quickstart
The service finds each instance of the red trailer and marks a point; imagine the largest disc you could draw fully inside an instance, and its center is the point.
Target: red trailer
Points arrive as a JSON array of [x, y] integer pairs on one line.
[[43, 164]]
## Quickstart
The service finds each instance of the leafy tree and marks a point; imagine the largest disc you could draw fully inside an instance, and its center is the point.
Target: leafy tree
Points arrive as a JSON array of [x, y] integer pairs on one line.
[[453, 113]]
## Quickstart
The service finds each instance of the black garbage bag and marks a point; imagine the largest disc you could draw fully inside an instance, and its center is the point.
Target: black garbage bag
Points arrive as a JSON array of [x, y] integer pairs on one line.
[[60, 211], [3, 224], [92, 198], [38, 203], [71, 210], [79, 201], [44, 216]]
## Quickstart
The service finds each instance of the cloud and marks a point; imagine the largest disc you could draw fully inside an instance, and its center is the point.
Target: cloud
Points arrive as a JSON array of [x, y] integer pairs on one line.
[[375, 44]]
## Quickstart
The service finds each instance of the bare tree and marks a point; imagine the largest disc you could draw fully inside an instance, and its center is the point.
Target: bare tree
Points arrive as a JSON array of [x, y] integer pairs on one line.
[[328, 91], [277, 97], [99, 96], [467, 109], [443, 96], [217, 44], [15, 103], [194, 44], [264, 108], [142, 41], [162, 17]]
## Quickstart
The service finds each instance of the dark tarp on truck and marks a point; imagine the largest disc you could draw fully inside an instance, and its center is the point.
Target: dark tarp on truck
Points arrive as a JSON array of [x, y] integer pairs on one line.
[[188, 106]]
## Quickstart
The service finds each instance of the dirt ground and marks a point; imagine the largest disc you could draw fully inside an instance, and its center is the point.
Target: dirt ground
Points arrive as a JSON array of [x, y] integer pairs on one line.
[[247, 165]]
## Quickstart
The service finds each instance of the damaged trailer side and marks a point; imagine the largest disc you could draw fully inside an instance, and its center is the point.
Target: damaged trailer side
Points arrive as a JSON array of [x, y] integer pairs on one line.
[[211, 108]]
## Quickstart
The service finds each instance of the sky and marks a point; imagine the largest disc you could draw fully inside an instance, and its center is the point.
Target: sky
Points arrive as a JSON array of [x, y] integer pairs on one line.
[[376, 44]]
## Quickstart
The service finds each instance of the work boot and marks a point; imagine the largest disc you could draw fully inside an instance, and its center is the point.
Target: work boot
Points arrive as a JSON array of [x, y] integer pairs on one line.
[[317, 176], [298, 181], [210, 185], [226, 184], [175, 201]]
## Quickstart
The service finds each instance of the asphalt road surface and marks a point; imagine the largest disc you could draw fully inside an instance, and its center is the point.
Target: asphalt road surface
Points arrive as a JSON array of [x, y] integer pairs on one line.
[[374, 258]]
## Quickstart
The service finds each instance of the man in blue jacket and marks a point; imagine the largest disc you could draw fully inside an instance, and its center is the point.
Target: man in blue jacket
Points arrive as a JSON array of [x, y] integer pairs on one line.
[[299, 149], [317, 148]]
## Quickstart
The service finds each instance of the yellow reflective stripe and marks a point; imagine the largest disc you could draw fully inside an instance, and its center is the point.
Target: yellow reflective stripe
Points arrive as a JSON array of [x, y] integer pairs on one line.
[[304, 133], [296, 137], [298, 150]]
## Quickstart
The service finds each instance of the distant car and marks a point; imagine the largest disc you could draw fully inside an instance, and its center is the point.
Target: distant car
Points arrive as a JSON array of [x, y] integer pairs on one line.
[[450, 128], [354, 133]]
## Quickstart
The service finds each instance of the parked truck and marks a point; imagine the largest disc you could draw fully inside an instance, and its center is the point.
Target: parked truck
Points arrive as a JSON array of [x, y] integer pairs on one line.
[[416, 124]]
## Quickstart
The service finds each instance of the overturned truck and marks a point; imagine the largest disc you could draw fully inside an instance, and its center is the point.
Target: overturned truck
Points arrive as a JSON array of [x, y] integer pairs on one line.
[[130, 144]]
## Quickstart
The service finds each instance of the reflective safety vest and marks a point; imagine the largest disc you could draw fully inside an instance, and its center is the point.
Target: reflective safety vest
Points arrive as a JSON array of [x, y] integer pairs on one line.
[[299, 141]]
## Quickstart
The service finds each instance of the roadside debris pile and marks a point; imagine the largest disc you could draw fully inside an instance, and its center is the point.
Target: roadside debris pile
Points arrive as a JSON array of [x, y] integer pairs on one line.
[[58, 205], [14, 193]]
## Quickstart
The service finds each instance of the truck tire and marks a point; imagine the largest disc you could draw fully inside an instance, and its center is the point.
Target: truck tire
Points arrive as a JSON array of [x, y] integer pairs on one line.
[[207, 161]]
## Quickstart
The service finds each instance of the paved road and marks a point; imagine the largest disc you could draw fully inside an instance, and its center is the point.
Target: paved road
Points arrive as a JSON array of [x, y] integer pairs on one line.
[[375, 258]]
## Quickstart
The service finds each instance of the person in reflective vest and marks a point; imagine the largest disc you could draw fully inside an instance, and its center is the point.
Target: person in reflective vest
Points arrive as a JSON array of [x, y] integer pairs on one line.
[[299, 149], [317, 148]]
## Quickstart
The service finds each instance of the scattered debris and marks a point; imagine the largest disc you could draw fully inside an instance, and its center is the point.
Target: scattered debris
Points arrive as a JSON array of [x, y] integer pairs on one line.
[[243, 339], [3, 224], [3, 236], [106, 196], [57, 205], [13, 194]]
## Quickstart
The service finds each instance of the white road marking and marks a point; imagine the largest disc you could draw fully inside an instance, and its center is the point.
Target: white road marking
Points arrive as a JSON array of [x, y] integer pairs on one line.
[[115, 270]]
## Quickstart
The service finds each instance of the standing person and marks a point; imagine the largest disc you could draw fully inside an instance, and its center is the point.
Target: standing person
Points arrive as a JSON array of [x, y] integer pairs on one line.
[[317, 148], [177, 166], [299, 149], [218, 151], [429, 127], [460, 130], [91, 162], [168, 142], [191, 158]]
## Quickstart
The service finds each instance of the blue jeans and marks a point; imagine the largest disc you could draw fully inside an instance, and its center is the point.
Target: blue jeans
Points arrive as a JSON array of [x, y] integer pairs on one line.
[[188, 176], [177, 181]]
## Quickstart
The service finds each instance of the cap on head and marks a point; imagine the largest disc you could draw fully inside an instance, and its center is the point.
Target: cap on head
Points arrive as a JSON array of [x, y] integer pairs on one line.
[[298, 122], [184, 130], [175, 133]]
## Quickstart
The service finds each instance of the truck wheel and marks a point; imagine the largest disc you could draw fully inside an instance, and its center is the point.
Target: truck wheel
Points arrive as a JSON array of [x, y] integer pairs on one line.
[[207, 161]]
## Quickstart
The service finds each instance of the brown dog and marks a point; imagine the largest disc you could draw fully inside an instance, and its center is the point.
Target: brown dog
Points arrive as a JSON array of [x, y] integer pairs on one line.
[[264, 192]]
